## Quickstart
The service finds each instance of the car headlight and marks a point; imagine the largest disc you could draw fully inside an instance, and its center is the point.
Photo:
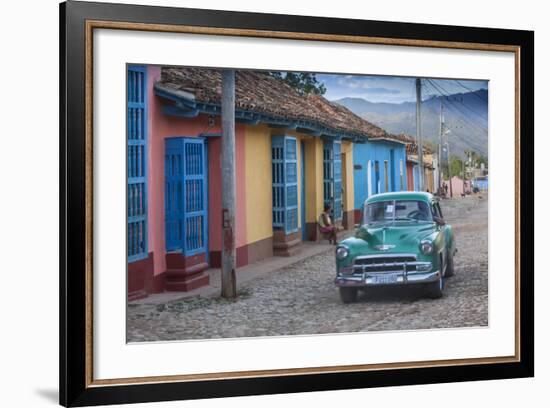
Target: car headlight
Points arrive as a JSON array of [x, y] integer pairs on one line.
[[426, 246], [342, 252]]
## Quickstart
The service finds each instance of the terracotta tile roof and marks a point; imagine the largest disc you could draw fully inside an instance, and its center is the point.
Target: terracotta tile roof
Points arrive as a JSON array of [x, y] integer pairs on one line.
[[262, 93], [413, 149], [405, 138]]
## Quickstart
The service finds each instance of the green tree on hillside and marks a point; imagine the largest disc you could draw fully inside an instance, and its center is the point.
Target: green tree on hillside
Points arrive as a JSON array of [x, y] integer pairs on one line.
[[303, 82], [456, 167]]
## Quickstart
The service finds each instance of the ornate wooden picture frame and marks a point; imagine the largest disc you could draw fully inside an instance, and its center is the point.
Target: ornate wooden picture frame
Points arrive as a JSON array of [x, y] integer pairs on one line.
[[78, 20]]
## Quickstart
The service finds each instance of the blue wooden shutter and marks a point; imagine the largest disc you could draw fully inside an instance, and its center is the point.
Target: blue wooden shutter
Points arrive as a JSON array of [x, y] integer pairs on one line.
[[291, 183], [332, 176], [195, 194], [186, 195], [376, 177], [392, 170], [137, 162], [173, 193], [285, 183], [337, 163]]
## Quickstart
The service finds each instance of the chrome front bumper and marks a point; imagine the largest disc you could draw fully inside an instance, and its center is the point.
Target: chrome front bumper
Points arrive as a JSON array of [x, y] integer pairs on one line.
[[379, 272], [370, 279]]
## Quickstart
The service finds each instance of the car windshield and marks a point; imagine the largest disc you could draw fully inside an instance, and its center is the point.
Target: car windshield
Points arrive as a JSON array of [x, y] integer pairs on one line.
[[397, 210]]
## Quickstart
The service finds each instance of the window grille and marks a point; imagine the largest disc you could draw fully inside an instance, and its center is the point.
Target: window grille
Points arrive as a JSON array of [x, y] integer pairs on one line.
[[284, 183], [137, 162]]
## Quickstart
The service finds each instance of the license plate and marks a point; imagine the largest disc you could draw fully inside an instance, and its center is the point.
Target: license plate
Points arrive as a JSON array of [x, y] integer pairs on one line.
[[385, 279]]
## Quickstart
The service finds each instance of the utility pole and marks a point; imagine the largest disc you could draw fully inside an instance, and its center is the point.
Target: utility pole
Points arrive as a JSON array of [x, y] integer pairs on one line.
[[468, 168], [229, 281], [439, 160], [464, 175], [449, 168], [419, 134]]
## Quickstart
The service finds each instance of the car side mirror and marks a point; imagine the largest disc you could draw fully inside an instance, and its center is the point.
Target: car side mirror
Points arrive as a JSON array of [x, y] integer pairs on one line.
[[439, 221]]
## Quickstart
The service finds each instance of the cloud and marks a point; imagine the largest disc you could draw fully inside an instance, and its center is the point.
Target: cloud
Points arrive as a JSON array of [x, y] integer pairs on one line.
[[352, 81], [372, 84], [385, 91], [391, 89]]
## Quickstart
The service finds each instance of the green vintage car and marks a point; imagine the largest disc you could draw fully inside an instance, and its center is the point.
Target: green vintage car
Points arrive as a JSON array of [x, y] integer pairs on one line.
[[402, 240]]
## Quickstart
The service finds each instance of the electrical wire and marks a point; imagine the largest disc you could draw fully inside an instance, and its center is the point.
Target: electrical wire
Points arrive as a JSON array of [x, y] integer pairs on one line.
[[470, 90], [450, 103], [444, 92]]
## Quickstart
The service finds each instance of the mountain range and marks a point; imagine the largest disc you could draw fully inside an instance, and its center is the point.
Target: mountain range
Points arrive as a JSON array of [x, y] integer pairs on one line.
[[465, 115]]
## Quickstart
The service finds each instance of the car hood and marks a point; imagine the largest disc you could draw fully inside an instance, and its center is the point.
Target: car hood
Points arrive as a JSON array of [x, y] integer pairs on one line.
[[393, 238]]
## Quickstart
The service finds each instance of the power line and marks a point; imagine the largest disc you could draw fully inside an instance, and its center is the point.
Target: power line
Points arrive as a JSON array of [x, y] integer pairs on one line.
[[450, 103], [447, 94], [460, 117], [461, 102], [470, 90], [463, 119]]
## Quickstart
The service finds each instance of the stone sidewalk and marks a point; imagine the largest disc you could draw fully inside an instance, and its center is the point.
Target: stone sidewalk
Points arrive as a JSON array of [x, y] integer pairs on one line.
[[244, 274]]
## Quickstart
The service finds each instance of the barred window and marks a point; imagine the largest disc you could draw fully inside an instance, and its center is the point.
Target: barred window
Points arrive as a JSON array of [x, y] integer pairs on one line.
[[186, 194], [137, 163], [285, 183], [332, 176]]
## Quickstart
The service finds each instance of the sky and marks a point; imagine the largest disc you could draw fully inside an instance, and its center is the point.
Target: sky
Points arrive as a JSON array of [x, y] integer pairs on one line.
[[391, 89]]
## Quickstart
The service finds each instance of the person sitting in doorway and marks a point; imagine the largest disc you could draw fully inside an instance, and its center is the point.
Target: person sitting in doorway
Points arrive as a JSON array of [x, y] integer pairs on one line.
[[326, 226]]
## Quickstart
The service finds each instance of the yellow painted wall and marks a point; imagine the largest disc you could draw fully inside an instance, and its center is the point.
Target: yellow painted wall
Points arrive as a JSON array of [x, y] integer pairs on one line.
[[347, 176], [259, 221], [429, 180], [258, 179]]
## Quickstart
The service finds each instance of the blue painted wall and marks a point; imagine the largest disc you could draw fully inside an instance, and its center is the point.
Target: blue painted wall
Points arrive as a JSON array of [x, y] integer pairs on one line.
[[379, 151], [481, 183]]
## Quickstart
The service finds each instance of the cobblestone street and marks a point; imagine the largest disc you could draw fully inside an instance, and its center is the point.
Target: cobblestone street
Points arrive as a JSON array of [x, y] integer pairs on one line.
[[302, 298]]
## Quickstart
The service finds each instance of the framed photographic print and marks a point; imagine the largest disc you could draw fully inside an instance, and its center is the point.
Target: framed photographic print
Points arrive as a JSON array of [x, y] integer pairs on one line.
[[255, 204]]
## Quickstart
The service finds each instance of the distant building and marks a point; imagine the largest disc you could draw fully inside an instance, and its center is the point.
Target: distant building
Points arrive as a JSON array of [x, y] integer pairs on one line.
[[480, 171], [481, 182], [430, 170], [379, 166], [460, 187]]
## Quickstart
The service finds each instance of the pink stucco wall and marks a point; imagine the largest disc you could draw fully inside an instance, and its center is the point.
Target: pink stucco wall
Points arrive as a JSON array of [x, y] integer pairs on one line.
[[214, 194], [160, 127], [155, 185], [215, 189], [458, 186]]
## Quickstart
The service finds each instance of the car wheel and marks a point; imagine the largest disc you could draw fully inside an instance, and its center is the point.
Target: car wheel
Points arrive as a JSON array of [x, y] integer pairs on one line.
[[450, 271], [348, 295], [435, 289]]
